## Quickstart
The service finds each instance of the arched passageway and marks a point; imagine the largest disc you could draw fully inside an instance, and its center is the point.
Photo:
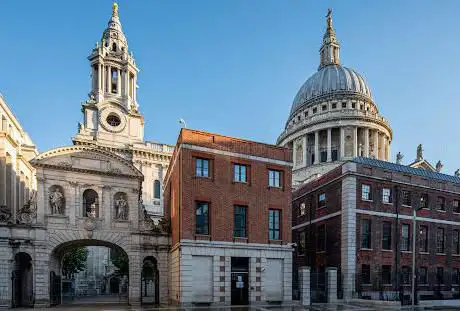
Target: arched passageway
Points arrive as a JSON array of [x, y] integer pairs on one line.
[[22, 281], [88, 271], [149, 281]]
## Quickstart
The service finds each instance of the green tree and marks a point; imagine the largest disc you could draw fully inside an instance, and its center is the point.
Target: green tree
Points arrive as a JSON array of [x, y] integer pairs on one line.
[[120, 261], [74, 261]]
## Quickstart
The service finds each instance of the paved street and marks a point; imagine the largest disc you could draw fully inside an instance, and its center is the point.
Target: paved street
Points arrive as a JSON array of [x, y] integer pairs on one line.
[[314, 307]]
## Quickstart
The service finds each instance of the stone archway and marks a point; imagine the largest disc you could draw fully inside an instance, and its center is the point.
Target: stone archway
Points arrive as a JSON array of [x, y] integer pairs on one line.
[[63, 241], [22, 281]]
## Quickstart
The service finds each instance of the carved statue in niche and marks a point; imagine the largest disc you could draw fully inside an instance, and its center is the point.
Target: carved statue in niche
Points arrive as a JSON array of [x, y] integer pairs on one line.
[[56, 201], [399, 157], [439, 166], [121, 206]]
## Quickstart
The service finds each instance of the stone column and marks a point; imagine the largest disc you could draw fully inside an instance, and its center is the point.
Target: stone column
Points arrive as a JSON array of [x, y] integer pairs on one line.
[[331, 285], [99, 78], [342, 143], [2, 181], [355, 141], [41, 272], [134, 279], [118, 81], [376, 144], [329, 143], [304, 286], [109, 79], [21, 191], [366, 142], [316, 147], [103, 78], [384, 148], [42, 197], [135, 88], [388, 150]]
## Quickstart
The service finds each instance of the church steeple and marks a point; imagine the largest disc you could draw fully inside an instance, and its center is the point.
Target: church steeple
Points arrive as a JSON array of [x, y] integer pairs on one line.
[[329, 51], [114, 70]]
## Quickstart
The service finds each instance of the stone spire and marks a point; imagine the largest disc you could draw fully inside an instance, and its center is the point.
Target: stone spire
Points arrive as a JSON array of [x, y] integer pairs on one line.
[[329, 51]]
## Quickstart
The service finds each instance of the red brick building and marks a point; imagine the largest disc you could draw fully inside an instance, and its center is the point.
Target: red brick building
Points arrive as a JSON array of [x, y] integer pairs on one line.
[[359, 218], [229, 201]]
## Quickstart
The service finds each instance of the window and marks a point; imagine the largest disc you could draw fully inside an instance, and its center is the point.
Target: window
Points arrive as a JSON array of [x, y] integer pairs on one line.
[[302, 209], [324, 107], [422, 275], [441, 204], [274, 178], [322, 200], [366, 192], [202, 218], [321, 238], [298, 117], [365, 274], [334, 105], [353, 105], [202, 167], [156, 189], [113, 120], [386, 236], [405, 237], [424, 239], [90, 203], [315, 110], [301, 248], [239, 225], [406, 274], [424, 200], [344, 105], [114, 79], [456, 206], [361, 107], [386, 274], [440, 242], [239, 173], [274, 224], [334, 155], [306, 113], [439, 275], [456, 242], [365, 233], [386, 196], [455, 276], [406, 198]]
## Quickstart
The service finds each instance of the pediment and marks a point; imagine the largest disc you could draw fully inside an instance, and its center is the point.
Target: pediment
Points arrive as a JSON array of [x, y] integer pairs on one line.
[[423, 164], [86, 159]]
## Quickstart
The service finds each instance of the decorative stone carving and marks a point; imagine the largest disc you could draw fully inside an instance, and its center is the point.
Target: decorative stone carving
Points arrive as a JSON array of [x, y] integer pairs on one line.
[[90, 225], [115, 171], [157, 225], [65, 164], [28, 212], [439, 166], [57, 200], [399, 157], [121, 206], [419, 152], [5, 214]]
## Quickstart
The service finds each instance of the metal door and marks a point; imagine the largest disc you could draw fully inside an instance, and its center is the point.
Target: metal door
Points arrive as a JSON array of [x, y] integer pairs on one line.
[[55, 289], [240, 293]]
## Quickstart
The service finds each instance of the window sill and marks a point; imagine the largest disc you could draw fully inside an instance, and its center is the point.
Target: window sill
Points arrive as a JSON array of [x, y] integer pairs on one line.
[[202, 177], [424, 253], [279, 242], [240, 182], [456, 255], [367, 200], [456, 213], [366, 249], [321, 252], [275, 187], [387, 250], [441, 210], [406, 252], [203, 237], [440, 254], [387, 203], [404, 205], [240, 239]]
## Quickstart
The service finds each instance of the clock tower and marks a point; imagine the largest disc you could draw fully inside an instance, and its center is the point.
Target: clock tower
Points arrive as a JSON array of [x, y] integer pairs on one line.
[[110, 115]]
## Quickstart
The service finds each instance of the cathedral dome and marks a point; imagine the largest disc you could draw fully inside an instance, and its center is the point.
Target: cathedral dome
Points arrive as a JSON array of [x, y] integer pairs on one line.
[[330, 80]]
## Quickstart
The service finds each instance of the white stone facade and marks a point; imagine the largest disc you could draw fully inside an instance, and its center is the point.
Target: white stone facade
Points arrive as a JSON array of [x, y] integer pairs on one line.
[[333, 118], [211, 283]]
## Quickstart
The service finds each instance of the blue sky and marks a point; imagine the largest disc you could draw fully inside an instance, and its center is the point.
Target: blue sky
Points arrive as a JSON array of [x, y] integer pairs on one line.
[[234, 66]]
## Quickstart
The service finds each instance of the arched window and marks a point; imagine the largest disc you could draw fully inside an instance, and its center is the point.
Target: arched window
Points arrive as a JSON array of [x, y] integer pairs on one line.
[[156, 189], [114, 47], [90, 203]]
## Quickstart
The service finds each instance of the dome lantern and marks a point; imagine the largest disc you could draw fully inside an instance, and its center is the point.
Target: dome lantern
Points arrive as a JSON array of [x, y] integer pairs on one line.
[[329, 52]]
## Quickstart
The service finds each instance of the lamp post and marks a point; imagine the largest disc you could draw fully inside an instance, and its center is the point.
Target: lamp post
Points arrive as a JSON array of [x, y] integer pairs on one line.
[[414, 243]]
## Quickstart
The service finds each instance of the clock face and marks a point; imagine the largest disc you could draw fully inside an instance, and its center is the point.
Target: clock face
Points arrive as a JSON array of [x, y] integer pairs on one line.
[[112, 120]]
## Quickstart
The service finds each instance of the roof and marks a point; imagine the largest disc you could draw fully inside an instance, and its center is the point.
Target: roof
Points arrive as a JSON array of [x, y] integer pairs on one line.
[[406, 169]]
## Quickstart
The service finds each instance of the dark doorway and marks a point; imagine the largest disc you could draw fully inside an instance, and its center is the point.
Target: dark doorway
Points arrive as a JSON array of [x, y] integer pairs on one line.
[[149, 281], [22, 281], [240, 280], [55, 289], [114, 285]]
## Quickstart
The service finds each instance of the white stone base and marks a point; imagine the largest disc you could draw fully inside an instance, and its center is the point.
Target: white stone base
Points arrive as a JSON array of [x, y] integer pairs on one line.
[[210, 261]]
